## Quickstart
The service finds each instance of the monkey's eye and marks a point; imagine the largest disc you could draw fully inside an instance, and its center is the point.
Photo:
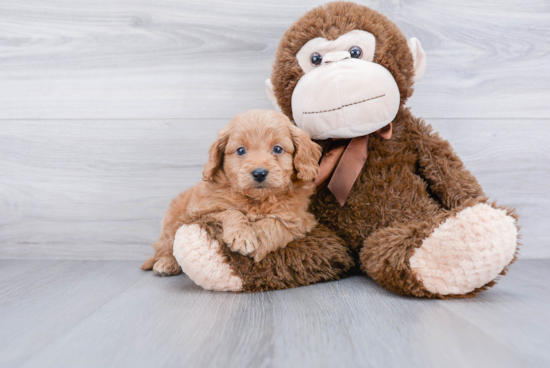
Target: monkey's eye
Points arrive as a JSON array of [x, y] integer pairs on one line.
[[241, 151], [278, 150], [356, 52], [316, 59]]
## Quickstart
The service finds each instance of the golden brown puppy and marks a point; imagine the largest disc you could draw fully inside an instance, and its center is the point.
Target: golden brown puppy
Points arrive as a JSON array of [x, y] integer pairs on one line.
[[257, 183]]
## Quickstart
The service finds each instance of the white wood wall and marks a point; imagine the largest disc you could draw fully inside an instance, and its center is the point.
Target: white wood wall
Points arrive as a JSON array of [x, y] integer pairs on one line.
[[107, 107]]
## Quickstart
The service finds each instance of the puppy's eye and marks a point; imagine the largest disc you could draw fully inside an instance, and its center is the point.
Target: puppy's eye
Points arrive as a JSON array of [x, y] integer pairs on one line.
[[356, 52], [241, 151], [316, 59], [278, 150]]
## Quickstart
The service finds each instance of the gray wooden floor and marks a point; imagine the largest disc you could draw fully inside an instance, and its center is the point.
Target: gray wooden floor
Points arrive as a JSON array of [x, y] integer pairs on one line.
[[110, 314]]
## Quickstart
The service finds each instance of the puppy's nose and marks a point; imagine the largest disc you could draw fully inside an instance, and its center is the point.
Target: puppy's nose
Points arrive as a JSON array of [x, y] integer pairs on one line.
[[260, 174]]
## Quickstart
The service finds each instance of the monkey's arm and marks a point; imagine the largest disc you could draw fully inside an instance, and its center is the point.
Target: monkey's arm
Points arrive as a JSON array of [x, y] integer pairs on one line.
[[200, 251], [448, 180]]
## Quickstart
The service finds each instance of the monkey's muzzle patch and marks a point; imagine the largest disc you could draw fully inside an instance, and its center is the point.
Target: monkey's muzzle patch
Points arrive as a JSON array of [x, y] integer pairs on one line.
[[345, 99], [341, 107]]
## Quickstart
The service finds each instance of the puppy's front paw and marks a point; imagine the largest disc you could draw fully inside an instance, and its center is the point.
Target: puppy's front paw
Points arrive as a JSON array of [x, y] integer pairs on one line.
[[166, 266], [242, 241], [259, 254]]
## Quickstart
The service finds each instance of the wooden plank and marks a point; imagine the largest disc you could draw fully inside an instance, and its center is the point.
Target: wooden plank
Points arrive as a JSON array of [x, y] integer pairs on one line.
[[356, 323], [137, 60], [10, 269], [94, 189], [188, 59], [98, 189], [44, 303], [172, 322], [516, 312]]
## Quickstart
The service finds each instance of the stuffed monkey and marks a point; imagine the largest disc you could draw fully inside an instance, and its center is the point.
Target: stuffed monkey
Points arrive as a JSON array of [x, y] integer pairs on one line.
[[393, 199]]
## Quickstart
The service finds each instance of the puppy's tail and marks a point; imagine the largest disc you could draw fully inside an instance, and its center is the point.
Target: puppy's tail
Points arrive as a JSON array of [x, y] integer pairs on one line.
[[148, 264]]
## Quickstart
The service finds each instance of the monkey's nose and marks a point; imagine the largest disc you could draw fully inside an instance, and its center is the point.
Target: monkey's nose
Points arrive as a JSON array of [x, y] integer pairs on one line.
[[333, 57], [259, 174]]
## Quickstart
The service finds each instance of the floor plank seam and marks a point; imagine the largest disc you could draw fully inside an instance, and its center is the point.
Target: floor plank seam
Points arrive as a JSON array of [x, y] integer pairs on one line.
[[476, 327], [69, 329]]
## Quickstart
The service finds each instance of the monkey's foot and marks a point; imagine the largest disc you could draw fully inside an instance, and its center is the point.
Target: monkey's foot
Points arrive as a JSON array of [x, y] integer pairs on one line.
[[202, 260], [467, 251]]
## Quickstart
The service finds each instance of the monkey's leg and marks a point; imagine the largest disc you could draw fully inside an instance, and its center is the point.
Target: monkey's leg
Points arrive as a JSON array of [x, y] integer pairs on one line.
[[454, 255], [320, 256]]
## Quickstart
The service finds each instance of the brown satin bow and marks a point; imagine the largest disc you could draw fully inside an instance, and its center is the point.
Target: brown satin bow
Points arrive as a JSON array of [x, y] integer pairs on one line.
[[343, 162]]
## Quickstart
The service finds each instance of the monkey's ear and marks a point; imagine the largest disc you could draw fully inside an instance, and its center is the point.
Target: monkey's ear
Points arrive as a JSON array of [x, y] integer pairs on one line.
[[419, 57], [271, 95], [215, 153]]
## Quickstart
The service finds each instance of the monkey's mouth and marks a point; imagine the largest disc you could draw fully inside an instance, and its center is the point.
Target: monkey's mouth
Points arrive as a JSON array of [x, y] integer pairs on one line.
[[341, 107]]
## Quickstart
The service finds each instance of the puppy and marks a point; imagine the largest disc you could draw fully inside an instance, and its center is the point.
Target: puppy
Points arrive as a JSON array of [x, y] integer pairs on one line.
[[257, 184]]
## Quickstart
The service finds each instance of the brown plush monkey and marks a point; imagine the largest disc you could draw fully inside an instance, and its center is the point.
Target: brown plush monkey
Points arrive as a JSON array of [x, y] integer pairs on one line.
[[394, 201]]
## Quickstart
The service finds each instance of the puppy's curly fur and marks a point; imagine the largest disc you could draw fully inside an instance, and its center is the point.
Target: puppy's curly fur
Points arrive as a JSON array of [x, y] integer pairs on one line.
[[257, 217]]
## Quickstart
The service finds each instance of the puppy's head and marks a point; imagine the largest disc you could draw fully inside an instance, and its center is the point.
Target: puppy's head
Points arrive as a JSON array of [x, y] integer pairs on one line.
[[262, 153]]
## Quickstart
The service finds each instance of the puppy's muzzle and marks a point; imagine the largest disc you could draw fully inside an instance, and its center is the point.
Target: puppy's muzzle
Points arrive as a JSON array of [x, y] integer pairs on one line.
[[259, 174]]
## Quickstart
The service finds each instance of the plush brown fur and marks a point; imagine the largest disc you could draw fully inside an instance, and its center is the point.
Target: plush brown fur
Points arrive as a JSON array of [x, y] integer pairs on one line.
[[408, 186], [256, 217]]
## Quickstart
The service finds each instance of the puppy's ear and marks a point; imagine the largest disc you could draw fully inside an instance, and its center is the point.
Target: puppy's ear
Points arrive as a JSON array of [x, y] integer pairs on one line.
[[215, 153], [306, 154]]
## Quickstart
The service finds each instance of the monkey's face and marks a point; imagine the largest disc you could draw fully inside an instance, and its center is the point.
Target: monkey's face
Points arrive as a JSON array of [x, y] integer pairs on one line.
[[343, 71], [343, 93]]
